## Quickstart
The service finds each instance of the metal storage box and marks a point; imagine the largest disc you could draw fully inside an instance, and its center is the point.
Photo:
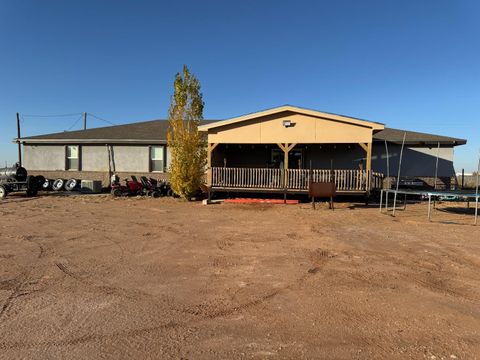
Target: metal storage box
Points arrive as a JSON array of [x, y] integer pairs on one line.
[[91, 186]]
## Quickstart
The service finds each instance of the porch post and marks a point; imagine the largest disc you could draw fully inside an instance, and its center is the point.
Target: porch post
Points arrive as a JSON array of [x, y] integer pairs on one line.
[[286, 149], [368, 166], [210, 148]]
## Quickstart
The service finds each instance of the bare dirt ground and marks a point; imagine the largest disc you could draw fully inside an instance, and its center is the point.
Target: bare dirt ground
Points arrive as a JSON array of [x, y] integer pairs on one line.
[[95, 277]]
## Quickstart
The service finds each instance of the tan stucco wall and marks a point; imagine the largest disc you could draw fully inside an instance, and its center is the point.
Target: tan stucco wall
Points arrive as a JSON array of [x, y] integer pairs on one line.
[[44, 157], [307, 129]]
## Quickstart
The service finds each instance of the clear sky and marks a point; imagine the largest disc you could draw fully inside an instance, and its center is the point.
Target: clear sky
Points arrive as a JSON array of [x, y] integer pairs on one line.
[[409, 64]]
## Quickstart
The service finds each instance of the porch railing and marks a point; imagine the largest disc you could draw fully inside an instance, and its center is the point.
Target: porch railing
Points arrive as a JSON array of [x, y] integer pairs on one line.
[[294, 179]]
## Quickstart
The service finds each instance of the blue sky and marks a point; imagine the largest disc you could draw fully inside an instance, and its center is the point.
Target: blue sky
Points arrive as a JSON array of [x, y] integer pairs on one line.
[[410, 64]]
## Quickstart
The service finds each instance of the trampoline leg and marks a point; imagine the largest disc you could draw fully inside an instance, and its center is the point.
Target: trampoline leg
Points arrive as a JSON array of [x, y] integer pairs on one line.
[[476, 210], [381, 198], [429, 207], [386, 201], [394, 203], [405, 202]]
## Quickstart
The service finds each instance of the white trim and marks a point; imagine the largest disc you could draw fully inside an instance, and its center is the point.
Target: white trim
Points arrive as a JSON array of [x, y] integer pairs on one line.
[[341, 118]]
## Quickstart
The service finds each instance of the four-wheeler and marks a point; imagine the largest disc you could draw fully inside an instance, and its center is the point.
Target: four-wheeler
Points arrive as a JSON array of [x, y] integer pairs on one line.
[[16, 179]]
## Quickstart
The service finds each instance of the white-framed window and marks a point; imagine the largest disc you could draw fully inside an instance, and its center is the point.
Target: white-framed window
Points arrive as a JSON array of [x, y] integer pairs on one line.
[[156, 158], [72, 157]]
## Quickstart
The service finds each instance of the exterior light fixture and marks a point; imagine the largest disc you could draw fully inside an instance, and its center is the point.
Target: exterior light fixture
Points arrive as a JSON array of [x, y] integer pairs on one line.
[[287, 123]]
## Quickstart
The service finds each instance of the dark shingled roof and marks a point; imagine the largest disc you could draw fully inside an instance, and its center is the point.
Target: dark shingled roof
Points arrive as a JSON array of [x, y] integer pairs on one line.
[[412, 137], [156, 131]]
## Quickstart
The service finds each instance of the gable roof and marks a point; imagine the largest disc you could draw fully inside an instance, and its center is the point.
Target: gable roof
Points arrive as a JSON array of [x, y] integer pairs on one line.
[[418, 138], [295, 109], [154, 131]]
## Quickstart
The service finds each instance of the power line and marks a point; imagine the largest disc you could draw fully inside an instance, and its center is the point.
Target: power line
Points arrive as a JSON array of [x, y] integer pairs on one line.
[[99, 118], [55, 115], [75, 123]]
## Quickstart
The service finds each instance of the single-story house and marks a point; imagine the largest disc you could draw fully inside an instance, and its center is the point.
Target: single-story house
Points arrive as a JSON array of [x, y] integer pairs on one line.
[[303, 141]]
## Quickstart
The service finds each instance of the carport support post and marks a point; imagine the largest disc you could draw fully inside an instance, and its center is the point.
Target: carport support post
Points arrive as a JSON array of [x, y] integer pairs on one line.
[[210, 148]]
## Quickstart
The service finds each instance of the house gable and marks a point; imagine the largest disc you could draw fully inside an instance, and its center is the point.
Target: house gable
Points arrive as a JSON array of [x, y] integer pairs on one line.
[[306, 126]]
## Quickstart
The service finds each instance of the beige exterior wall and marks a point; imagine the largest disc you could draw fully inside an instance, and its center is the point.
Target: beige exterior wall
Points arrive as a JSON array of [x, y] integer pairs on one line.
[[44, 157], [306, 129], [94, 158]]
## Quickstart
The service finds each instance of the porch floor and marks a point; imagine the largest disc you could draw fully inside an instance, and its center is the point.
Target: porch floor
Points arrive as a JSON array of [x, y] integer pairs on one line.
[[280, 191]]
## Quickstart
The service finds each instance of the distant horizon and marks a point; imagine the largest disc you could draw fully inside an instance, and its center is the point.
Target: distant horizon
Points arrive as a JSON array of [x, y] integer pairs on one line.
[[410, 65]]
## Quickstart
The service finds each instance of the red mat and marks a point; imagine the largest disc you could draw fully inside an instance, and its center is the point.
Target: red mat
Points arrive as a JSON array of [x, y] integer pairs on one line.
[[258, 201]]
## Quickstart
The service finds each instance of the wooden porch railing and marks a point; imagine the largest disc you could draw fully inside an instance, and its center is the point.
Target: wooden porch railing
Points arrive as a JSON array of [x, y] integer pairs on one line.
[[294, 179]]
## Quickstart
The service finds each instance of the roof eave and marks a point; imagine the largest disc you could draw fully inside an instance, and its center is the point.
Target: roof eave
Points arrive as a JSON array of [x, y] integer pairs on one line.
[[455, 142], [88, 141], [373, 125]]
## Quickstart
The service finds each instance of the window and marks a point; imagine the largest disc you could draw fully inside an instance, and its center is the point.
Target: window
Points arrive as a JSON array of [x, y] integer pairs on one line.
[[156, 158], [72, 157]]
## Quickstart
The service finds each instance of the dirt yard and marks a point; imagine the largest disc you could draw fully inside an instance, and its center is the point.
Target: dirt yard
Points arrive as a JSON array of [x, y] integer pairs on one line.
[[95, 277]]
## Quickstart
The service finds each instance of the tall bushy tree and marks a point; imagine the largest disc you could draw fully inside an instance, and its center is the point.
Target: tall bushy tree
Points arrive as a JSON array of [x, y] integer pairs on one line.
[[187, 145]]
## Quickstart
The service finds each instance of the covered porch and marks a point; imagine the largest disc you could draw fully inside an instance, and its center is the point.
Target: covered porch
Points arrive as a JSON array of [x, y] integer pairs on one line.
[[284, 149], [291, 167]]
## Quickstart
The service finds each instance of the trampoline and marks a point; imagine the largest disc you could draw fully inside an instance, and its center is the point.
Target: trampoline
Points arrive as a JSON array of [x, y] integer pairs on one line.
[[432, 194]]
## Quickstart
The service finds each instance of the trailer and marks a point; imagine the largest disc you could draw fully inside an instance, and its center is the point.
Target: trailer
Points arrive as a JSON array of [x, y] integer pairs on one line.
[[16, 179]]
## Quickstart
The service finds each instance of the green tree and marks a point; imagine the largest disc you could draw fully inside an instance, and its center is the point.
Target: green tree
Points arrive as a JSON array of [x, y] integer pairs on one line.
[[187, 146]]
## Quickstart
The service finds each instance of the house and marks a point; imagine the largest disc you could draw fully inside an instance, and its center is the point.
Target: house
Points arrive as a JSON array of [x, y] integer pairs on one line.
[[251, 152], [131, 149], [284, 148]]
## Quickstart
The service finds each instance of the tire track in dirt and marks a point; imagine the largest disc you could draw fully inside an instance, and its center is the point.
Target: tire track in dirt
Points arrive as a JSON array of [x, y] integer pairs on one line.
[[23, 281], [169, 325]]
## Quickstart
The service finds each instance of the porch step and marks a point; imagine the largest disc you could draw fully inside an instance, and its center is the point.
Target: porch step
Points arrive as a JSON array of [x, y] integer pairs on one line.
[[258, 201]]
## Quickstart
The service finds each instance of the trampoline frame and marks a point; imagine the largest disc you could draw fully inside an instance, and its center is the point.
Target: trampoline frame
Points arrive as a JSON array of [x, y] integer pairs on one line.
[[432, 195], [435, 194]]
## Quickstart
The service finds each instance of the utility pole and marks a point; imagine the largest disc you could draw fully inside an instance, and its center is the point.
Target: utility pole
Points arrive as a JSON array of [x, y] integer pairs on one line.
[[84, 121], [18, 140]]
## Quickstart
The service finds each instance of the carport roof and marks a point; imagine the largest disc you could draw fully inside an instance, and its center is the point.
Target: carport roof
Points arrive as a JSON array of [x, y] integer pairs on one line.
[[412, 137]]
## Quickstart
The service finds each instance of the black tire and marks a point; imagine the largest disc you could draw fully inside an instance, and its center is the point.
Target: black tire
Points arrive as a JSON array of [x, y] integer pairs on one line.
[[71, 184], [170, 192], [40, 180], [58, 184], [155, 194], [32, 184], [3, 192], [116, 192]]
